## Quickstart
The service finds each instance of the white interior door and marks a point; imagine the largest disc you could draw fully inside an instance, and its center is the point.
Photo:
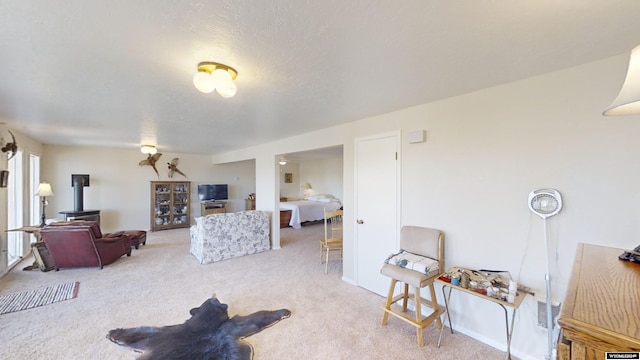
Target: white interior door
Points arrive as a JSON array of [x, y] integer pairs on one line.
[[377, 206]]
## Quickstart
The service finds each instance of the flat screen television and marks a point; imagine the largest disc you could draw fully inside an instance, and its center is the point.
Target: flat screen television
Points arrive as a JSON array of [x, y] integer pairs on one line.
[[211, 192]]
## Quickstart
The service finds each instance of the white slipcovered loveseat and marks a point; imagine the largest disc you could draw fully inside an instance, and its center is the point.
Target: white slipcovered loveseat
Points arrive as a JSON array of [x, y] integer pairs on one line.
[[217, 237]]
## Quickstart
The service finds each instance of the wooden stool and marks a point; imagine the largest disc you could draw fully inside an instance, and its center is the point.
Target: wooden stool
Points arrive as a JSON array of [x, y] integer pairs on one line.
[[422, 247], [417, 281]]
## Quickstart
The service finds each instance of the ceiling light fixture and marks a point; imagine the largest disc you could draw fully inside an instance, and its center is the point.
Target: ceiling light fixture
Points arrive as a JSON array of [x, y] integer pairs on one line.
[[148, 149], [214, 76], [628, 100], [282, 161]]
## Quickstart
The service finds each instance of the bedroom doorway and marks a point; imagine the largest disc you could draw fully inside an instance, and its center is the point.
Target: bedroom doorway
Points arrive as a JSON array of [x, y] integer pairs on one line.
[[377, 207]]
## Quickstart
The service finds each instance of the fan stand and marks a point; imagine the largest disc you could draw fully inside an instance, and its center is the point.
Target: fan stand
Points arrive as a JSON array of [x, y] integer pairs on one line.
[[546, 203], [549, 308]]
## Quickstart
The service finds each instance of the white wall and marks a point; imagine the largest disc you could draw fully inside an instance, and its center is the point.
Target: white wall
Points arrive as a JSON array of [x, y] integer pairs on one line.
[[484, 153], [290, 190], [120, 188], [325, 176]]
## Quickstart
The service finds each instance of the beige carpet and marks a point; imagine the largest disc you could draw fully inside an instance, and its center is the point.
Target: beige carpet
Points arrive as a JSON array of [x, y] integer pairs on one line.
[[159, 283]]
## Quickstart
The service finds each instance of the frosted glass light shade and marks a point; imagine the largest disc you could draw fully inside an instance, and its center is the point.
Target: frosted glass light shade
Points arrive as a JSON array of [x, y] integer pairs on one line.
[[628, 100], [203, 82], [228, 90], [148, 149], [215, 76], [224, 83]]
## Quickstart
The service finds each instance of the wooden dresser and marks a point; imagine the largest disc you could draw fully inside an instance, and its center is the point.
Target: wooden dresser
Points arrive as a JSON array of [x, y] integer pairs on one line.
[[285, 217], [601, 311]]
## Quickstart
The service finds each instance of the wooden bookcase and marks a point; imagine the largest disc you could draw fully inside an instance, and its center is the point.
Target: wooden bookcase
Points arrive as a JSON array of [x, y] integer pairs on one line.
[[170, 204]]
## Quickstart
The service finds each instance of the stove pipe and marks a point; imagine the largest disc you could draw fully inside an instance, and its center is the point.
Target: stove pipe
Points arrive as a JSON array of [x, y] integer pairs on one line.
[[78, 194]]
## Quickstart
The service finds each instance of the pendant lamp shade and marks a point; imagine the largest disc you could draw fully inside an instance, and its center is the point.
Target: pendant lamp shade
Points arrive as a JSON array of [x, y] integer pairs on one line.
[[628, 100]]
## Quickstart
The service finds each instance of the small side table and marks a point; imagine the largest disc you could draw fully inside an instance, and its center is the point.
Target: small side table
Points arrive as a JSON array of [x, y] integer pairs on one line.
[[514, 306], [42, 257], [33, 229], [250, 204]]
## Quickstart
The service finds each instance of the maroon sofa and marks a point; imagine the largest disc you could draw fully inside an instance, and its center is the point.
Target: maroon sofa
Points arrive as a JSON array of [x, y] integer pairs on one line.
[[82, 244]]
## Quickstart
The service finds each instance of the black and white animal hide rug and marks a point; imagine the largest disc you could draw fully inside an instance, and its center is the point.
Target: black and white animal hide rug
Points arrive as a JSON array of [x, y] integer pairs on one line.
[[208, 334]]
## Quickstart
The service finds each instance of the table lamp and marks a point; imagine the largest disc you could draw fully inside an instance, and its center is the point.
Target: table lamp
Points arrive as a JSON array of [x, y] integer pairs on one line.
[[44, 190]]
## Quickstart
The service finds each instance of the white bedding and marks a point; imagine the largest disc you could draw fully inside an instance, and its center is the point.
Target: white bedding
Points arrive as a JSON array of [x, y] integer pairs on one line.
[[307, 210]]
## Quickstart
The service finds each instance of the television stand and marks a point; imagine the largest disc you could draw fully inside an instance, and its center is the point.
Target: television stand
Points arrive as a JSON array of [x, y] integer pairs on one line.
[[212, 207]]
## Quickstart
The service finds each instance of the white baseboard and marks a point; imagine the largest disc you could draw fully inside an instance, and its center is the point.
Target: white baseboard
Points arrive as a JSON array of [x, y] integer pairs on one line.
[[349, 281]]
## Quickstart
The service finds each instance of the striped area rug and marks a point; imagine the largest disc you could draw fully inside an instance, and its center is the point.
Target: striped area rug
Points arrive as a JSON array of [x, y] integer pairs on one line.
[[33, 298]]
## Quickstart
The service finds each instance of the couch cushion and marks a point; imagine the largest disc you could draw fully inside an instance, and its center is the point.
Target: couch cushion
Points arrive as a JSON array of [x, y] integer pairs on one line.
[[410, 268], [422, 264]]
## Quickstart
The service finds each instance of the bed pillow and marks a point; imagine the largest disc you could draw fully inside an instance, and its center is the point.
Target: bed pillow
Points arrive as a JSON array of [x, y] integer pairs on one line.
[[321, 198], [325, 196]]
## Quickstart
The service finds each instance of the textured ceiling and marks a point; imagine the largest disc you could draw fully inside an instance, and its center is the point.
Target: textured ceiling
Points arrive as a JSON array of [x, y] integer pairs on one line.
[[119, 73]]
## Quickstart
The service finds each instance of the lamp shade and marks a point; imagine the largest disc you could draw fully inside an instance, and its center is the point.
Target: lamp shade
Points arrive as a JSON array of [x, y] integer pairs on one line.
[[203, 82], [628, 100], [227, 90], [44, 189], [223, 83], [215, 76], [148, 149]]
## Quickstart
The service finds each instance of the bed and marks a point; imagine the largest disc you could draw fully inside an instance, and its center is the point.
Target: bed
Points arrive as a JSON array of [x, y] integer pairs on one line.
[[311, 209]]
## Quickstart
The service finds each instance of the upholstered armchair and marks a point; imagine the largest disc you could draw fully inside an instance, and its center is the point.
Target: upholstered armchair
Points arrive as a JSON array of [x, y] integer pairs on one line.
[[82, 244]]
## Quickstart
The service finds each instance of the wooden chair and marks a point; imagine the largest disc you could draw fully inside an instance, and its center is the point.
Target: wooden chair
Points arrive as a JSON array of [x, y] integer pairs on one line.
[[422, 242], [332, 236]]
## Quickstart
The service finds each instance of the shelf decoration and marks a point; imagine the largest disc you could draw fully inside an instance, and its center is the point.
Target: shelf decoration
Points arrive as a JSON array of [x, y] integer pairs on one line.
[[11, 146], [151, 161], [173, 168]]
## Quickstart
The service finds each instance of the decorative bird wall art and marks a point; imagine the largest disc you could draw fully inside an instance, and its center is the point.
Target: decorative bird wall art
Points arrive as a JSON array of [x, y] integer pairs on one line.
[[151, 160], [11, 147], [173, 168]]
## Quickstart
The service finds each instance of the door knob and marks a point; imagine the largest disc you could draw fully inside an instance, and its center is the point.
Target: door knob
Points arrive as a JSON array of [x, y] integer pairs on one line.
[[360, 221]]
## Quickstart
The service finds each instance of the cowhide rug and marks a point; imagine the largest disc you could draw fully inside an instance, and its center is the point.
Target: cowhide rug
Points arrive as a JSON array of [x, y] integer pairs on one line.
[[208, 334]]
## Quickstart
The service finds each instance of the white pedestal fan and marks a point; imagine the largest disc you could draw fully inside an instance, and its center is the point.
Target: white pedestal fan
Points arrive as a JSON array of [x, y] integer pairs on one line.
[[546, 203]]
